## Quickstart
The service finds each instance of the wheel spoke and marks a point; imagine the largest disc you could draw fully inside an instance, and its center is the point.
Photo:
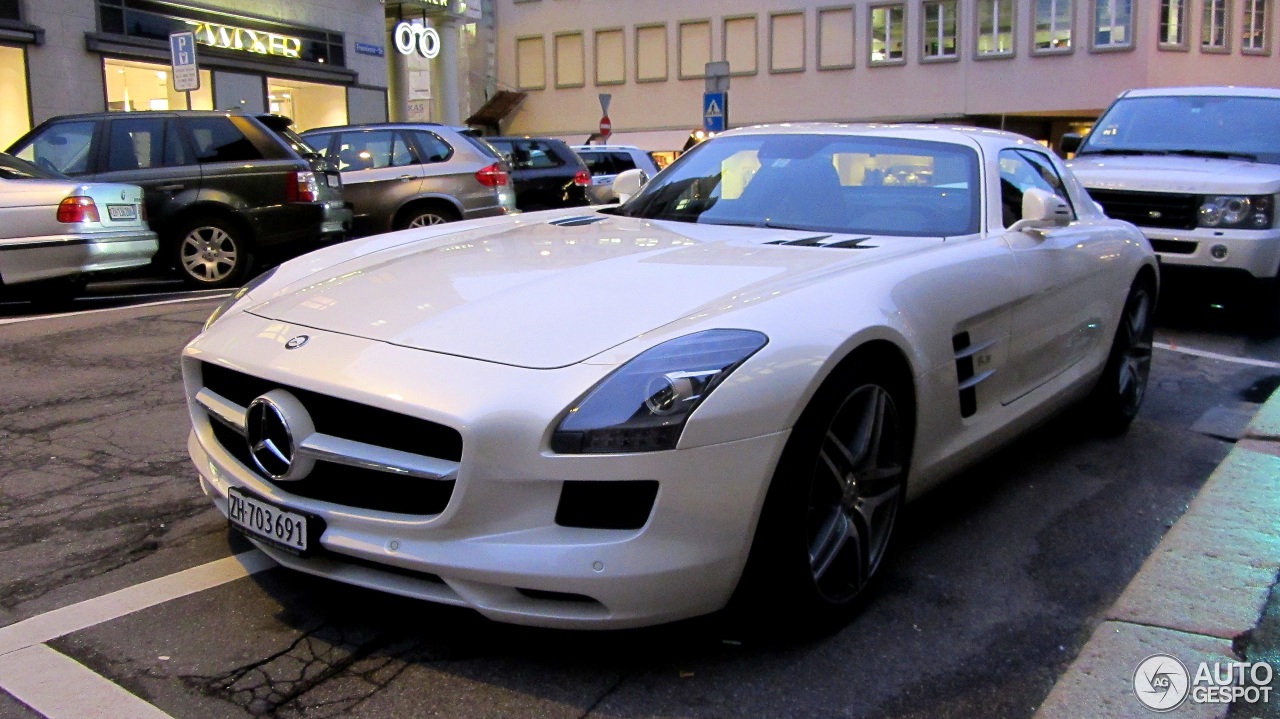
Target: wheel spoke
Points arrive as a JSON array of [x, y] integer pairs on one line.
[[834, 535]]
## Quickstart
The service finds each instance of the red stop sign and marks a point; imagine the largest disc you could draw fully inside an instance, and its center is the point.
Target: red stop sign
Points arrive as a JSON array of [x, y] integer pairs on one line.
[[606, 127]]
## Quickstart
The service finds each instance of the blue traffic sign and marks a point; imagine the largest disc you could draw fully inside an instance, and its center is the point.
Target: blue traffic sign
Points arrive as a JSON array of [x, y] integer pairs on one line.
[[715, 111], [182, 56]]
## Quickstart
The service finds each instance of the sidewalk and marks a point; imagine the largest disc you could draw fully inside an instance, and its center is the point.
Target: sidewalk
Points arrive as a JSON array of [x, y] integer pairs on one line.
[[1198, 597]]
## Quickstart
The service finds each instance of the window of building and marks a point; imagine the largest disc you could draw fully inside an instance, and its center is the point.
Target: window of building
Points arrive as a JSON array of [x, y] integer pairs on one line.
[[611, 57], [995, 28], [836, 35], [786, 42], [15, 116], [310, 104], [1214, 30], [133, 86], [694, 49], [1254, 39], [938, 41], [531, 63], [1173, 24], [886, 31], [651, 53], [1052, 31], [741, 44], [570, 52], [1112, 24]]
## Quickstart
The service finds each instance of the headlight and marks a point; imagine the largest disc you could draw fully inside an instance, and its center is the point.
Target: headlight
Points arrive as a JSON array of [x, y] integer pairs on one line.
[[1240, 212], [237, 296], [643, 405]]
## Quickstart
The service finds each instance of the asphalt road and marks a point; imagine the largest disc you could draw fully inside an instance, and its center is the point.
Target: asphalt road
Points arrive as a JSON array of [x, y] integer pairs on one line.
[[999, 578]]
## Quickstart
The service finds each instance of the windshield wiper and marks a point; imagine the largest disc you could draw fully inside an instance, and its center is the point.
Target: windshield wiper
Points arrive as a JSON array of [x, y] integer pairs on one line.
[[1219, 154]]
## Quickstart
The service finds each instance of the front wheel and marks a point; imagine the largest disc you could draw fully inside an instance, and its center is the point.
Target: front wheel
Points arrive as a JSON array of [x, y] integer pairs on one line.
[[212, 253], [1118, 395]]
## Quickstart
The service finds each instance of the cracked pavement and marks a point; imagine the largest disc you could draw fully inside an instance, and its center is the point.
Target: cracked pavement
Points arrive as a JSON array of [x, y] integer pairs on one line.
[[999, 578]]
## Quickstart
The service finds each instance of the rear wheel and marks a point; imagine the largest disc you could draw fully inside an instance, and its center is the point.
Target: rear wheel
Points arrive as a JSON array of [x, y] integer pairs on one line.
[[1118, 396], [212, 253], [426, 215]]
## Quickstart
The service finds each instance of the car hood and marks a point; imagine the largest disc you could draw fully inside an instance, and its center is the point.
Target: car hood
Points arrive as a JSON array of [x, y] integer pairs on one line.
[[1170, 173], [545, 294]]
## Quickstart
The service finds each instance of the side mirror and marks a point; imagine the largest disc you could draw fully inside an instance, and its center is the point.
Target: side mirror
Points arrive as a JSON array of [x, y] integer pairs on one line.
[[628, 183], [1042, 210], [1069, 143]]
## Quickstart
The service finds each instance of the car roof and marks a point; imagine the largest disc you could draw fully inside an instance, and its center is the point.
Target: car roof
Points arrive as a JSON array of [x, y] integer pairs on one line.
[[136, 113], [389, 126], [604, 148], [960, 134], [1203, 90]]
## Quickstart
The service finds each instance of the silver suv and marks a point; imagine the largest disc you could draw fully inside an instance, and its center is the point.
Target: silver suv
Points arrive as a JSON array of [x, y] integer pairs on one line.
[[607, 162], [401, 175]]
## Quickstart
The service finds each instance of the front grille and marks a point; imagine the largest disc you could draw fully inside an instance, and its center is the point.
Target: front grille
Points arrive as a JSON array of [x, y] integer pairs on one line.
[[1175, 247], [342, 484], [1170, 211]]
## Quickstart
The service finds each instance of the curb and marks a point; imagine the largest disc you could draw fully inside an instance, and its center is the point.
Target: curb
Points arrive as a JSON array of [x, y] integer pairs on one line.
[[1205, 584]]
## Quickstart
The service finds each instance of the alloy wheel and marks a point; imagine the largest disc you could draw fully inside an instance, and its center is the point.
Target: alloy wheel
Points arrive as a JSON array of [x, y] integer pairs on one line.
[[1135, 364], [427, 219], [209, 254]]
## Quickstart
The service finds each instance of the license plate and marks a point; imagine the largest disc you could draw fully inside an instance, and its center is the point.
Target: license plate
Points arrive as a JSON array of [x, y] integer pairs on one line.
[[332, 180], [122, 212], [263, 520]]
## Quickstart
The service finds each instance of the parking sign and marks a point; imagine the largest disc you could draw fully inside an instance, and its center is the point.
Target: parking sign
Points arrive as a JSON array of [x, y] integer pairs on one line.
[[182, 53]]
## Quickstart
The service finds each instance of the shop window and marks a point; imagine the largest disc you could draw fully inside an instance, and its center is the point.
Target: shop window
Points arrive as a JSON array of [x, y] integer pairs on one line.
[[995, 28], [569, 53], [1214, 31], [1173, 24], [531, 63], [611, 57], [15, 118], [835, 38], [1052, 30], [887, 26], [1113, 24], [651, 53], [62, 146], [308, 104], [786, 42], [219, 140], [133, 86], [694, 49], [741, 44], [1253, 34], [939, 40]]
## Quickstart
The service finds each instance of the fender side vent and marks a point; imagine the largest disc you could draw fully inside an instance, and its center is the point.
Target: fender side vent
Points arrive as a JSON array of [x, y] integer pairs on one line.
[[964, 372], [577, 221]]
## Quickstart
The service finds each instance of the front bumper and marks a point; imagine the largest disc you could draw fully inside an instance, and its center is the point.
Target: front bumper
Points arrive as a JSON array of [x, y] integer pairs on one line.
[[1254, 251], [496, 546], [41, 258]]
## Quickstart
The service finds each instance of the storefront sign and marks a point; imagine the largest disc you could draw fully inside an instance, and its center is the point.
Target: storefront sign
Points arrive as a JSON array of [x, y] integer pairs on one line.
[[420, 38], [228, 37]]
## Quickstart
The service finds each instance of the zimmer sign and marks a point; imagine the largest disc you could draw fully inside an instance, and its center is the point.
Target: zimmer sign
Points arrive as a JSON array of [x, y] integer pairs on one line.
[[229, 37]]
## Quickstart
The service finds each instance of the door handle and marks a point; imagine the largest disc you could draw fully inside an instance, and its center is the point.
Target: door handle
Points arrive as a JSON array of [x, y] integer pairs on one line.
[[170, 188], [406, 177]]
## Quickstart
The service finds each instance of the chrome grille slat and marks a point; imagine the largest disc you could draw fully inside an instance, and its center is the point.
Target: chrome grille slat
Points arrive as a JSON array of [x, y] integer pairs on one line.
[[222, 409], [368, 456]]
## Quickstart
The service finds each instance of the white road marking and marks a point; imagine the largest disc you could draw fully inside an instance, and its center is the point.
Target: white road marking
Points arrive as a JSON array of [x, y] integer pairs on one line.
[[59, 687], [15, 320], [73, 618], [1216, 356]]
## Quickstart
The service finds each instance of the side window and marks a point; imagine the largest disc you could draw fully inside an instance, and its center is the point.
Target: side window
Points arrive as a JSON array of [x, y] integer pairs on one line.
[[372, 150], [63, 147], [135, 143], [176, 151], [217, 139], [600, 163], [1048, 173], [434, 149], [623, 162], [1017, 175], [321, 143], [537, 155]]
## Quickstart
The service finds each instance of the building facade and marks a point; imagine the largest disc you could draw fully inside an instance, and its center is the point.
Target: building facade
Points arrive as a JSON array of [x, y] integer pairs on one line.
[[1040, 67], [321, 62]]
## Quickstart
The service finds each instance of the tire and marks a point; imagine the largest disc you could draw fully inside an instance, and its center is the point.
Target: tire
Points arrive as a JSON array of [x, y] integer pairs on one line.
[[52, 295], [832, 506], [1118, 395], [426, 215], [1264, 306], [212, 252]]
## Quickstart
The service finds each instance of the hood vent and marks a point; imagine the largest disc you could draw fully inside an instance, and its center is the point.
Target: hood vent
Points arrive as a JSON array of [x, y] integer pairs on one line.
[[821, 241], [577, 221]]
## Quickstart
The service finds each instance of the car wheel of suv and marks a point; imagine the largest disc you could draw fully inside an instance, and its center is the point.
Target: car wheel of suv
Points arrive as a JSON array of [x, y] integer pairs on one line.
[[212, 253], [426, 215]]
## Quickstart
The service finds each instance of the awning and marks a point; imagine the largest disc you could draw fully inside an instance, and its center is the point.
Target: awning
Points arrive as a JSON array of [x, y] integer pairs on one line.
[[497, 108]]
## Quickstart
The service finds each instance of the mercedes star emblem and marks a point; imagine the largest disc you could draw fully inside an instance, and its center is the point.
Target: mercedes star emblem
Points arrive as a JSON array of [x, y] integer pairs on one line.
[[276, 425]]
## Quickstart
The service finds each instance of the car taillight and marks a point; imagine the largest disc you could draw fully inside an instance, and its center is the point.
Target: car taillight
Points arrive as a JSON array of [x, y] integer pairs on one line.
[[492, 176], [78, 209], [302, 187], [582, 179]]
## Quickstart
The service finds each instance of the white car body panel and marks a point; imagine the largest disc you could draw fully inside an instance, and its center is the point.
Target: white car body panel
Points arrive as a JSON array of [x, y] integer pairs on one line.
[[495, 327]]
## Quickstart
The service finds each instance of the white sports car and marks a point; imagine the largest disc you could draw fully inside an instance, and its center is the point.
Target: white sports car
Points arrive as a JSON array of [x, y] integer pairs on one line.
[[724, 388]]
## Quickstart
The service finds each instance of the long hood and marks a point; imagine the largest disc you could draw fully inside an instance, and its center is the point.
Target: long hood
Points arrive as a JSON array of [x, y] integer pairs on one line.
[[1166, 173], [541, 294]]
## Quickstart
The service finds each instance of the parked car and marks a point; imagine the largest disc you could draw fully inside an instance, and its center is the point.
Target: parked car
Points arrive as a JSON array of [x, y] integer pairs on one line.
[[220, 187], [620, 416], [400, 175], [545, 173], [57, 232], [605, 162], [1198, 169]]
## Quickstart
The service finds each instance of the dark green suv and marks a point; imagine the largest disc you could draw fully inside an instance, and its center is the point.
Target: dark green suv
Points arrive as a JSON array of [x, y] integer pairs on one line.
[[219, 187]]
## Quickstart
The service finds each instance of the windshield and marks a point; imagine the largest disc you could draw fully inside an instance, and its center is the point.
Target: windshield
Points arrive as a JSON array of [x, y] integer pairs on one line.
[[12, 168], [1243, 127], [848, 184]]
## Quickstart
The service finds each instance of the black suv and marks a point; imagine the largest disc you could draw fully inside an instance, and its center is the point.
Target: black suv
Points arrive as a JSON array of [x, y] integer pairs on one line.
[[219, 187], [545, 173]]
